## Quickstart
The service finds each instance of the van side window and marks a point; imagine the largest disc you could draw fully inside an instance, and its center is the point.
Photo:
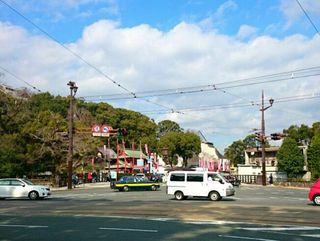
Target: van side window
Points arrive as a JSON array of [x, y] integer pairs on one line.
[[193, 177], [213, 177], [177, 177]]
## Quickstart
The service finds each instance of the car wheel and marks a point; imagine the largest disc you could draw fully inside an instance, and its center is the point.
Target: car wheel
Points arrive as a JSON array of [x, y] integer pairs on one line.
[[153, 188], [125, 188], [179, 195], [316, 200], [214, 196], [33, 195]]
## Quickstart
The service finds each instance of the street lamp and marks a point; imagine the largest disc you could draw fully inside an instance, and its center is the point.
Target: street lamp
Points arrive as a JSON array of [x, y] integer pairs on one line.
[[73, 91], [263, 138]]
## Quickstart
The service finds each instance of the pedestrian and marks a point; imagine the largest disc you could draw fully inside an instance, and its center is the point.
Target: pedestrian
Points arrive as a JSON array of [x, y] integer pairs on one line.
[[89, 177], [75, 180], [271, 179], [94, 176]]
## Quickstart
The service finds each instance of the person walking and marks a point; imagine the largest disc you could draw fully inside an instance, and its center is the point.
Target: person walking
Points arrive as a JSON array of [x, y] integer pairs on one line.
[[271, 179], [89, 177]]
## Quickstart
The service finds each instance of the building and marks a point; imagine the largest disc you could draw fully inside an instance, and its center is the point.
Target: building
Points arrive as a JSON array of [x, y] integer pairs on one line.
[[211, 159], [253, 162]]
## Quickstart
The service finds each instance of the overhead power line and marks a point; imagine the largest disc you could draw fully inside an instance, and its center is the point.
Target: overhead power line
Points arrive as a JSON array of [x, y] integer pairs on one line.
[[222, 86], [66, 48], [239, 105], [133, 95], [306, 14], [18, 78]]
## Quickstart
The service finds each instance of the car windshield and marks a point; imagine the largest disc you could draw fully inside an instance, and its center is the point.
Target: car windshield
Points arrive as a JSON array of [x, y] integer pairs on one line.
[[28, 181]]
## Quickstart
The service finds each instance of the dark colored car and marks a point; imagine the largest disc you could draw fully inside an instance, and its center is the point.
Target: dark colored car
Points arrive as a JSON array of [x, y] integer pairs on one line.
[[156, 178], [233, 180], [314, 193], [127, 183]]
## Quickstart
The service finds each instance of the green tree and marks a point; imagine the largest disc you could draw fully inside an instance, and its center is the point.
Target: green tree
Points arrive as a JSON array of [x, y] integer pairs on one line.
[[180, 144], [290, 158], [45, 147], [189, 145], [314, 156], [250, 141], [316, 128], [166, 126], [47, 102], [235, 152], [170, 141], [302, 135], [12, 158]]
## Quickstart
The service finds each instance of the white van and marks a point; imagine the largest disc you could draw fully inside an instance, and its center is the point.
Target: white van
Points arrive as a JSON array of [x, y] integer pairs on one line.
[[182, 184]]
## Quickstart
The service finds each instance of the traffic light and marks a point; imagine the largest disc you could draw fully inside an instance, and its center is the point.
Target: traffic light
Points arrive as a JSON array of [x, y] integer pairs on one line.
[[276, 136], [258, 136]]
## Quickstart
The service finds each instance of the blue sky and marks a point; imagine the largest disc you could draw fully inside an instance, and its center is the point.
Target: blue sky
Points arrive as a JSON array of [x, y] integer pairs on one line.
[[65, 20], [172, 44]]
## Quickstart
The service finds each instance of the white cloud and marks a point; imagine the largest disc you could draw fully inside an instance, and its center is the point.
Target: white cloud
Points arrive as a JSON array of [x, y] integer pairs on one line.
[[143, 58], [246, 31], [228, 5], [217, 17], [293, 12]]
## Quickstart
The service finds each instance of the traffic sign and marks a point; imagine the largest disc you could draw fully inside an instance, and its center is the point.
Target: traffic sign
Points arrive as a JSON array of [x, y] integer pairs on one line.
[[96, 130], [105, 130]]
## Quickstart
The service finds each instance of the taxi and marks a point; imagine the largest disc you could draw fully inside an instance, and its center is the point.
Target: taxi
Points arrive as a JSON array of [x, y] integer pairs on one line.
[[127, 183]]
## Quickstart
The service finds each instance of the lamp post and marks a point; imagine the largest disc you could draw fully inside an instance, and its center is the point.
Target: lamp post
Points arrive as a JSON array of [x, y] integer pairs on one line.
[[73, 91], [263, 138]]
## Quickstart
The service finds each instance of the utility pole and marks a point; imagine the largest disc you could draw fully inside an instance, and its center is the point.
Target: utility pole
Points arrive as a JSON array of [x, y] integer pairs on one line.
[[263, 139], [73, 91]]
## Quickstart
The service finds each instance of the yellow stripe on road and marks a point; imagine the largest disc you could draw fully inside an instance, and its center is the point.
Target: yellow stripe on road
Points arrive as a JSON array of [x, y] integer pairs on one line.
[[136, 185]]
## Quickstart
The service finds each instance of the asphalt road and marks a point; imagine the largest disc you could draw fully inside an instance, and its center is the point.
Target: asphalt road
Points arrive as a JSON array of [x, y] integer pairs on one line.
[[254, 213]]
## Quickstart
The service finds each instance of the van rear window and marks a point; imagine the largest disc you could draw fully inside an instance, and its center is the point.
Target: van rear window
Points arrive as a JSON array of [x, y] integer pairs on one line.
[[193, 177], [177, 177]]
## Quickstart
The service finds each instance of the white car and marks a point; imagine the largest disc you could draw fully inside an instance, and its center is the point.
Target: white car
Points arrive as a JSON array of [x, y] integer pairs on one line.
[[22, 188]]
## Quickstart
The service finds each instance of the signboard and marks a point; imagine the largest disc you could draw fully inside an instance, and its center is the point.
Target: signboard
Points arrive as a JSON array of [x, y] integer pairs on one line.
[[140, 162], [96, 130], [103, 130], [113, 175]]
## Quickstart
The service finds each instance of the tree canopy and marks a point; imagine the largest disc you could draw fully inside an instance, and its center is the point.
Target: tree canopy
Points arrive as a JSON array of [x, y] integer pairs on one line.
[[180, 144], [290, 158], [34, 133], [314, 156]]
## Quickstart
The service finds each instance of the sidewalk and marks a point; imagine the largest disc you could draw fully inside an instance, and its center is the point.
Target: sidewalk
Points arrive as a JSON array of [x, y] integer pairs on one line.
[[84, 186]]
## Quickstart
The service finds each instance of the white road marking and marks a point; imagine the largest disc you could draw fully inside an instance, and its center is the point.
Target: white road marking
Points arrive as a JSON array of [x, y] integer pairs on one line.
[[214, 222], [131, 230], [280, 228], [311, 235], [22, 226], [246, 238]]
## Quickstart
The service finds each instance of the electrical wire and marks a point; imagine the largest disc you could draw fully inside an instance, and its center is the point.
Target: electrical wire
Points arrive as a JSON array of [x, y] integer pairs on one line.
[[66, 48], [239, 105], [18, 78], [289, 75], [78, 56], [306, 14]]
